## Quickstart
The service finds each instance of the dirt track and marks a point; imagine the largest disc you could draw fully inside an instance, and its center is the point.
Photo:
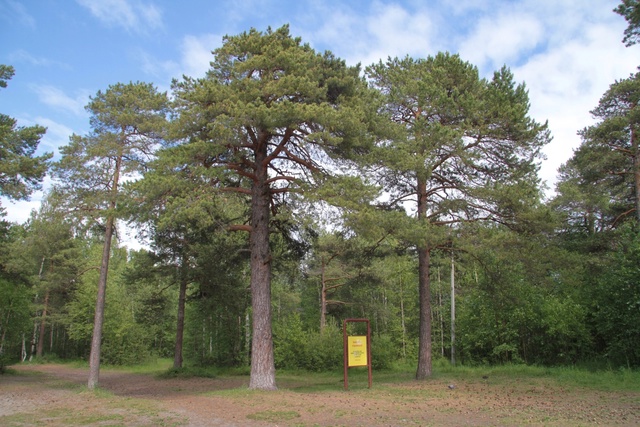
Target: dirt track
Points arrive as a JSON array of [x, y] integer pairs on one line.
[[54, 395]]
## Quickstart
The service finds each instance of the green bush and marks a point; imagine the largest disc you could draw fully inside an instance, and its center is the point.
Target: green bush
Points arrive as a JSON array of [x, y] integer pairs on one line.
[[323, 350], [383, 352], [295, 348]]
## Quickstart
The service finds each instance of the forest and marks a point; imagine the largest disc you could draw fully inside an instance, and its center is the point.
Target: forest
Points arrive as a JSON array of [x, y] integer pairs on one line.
[[286, 191]]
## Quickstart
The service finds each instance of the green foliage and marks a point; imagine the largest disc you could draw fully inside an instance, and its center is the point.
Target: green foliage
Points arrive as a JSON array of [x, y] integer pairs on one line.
[[126, 337], [384, 352], [601, 179], [616, 302], [15, 317], [279, 129], [295, 348], [21, 171], [630, 11], [438, 102], [518, 310]]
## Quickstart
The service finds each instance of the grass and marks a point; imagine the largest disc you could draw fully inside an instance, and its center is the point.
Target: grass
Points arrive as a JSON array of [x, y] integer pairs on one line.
[[604, 380], [273, 416], [303, 395]]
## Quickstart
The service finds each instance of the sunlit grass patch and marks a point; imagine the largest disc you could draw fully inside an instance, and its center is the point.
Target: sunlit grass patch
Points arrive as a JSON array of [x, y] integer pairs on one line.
[[61, 417], [273, 416]]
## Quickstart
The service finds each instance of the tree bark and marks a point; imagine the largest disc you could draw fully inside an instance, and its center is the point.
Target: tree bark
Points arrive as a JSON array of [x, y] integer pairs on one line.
[[323, 299], [424, 287], [424, 345], [177, 355], [263, 371], [98, 320], [636, 168], [453, 311]]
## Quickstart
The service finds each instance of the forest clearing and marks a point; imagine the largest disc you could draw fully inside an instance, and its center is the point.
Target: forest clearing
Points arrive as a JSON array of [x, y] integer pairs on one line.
[[56, 395], [282, 200]]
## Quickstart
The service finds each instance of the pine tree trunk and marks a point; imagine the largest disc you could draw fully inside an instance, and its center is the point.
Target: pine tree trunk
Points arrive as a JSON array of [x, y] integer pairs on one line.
[[424, 344], [323, 299], [402, 321], [263, 372], [453, 311], [177, 355], [440, 315], [636, 168], [98, 320], [424, 287]]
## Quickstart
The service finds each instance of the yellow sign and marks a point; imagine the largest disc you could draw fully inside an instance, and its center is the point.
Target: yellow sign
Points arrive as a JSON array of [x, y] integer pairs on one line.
[[357, 349]]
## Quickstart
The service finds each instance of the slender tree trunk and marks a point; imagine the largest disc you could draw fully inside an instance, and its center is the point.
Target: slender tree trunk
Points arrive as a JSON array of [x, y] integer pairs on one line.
[[4, 334], [34, 337], [23, 352], [424, 287], [404, 329], [247, 334], [182, 298], [98, 320], [43, 321], [263, 371], [453, 312], [636, 168], [440, 315], [323, 299], [424, 344]]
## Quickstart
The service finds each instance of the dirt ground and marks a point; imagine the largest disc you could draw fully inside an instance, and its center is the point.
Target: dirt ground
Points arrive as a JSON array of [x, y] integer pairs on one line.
[[54, 395]]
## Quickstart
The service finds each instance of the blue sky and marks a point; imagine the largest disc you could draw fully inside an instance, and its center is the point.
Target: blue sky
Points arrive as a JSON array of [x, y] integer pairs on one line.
[[567, 52]]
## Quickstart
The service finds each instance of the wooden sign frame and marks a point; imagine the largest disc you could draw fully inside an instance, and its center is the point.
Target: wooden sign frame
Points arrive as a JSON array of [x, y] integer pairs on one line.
[[345, 340]]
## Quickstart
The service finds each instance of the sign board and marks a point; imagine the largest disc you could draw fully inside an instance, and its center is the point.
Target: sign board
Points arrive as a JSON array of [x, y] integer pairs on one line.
[[357, 350]]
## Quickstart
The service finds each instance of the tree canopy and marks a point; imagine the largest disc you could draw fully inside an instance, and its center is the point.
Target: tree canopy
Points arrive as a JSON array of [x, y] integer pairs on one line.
[[466, 150], [21, 171], [630, 10], [269, 120], [285, 192]]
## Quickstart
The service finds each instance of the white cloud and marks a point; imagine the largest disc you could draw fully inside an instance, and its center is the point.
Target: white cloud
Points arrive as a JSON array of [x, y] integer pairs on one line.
[[196, 53], [129, 14], [566, 82], [502, 39], [24, 56], [367, 36], [155, 67], [56, 98], [398, 32], [566, 53], [20, 211], [195, 58], [56, 136], [16, 12]]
